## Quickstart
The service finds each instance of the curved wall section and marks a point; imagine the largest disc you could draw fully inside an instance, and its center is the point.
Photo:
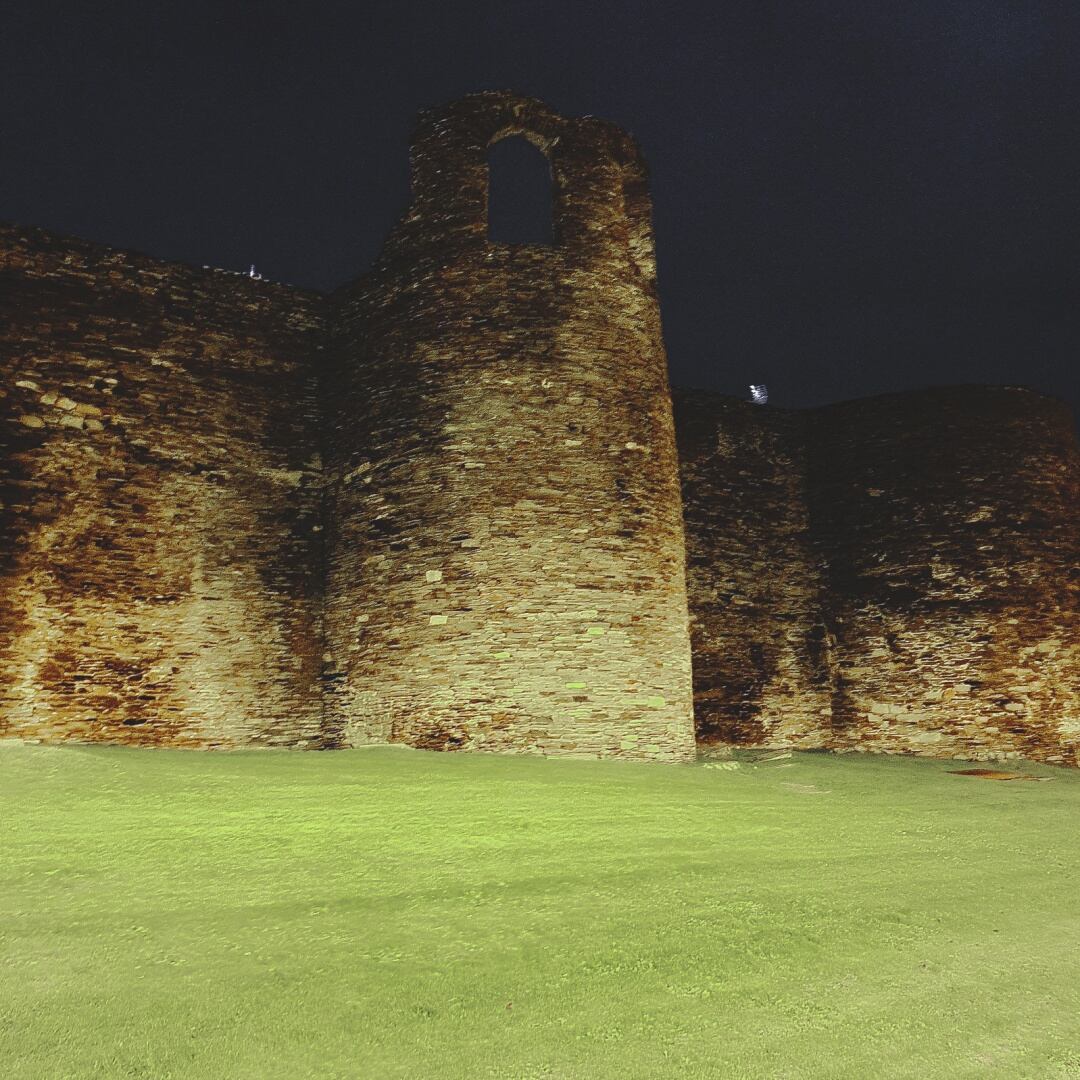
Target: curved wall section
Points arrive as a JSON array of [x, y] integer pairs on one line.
[[950, 521], [506, 549]]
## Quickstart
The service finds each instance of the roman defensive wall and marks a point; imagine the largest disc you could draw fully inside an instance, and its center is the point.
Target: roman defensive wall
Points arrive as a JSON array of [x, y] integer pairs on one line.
[[450, 505]]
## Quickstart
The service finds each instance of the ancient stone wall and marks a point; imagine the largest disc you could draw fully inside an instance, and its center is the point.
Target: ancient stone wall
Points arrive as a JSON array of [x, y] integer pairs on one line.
[[160, 559], [950, 519], [762, 672], [442, 506], [897, 574], [506, 547]]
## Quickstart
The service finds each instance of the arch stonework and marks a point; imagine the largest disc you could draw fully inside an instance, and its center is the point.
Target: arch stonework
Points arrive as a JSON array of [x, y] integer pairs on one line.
[[515, 160]]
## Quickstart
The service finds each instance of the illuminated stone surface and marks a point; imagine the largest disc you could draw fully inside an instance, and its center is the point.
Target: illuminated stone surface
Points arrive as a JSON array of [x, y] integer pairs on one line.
[[898, 574], [500, 422], [161, 555], [442, 507]]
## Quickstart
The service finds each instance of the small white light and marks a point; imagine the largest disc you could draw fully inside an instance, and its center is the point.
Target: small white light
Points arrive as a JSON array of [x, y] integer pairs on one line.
[[759, 393]]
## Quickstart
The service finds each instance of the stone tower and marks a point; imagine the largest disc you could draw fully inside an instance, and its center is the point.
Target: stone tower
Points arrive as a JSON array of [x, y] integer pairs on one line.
[[505, 547]]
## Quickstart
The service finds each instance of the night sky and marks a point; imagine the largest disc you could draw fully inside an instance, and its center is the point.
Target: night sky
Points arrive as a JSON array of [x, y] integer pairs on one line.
[[850, 197]]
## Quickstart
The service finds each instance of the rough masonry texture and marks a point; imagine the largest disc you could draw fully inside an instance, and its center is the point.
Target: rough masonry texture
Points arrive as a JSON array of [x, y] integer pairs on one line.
[[900, 574], [445, 506]]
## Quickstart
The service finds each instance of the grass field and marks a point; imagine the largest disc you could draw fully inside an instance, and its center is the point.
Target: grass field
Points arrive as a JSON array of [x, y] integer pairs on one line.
[[391, 913]]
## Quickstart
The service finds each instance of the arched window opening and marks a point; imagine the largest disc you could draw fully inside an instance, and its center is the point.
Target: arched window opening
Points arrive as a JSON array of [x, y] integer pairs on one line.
[[520, 201]]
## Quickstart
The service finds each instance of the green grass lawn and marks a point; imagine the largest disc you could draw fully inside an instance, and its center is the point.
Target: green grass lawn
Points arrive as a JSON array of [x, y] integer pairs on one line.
[[392, 913]]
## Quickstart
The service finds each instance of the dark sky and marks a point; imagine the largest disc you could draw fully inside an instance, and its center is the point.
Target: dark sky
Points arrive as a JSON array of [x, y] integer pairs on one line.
[[850, 196]]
